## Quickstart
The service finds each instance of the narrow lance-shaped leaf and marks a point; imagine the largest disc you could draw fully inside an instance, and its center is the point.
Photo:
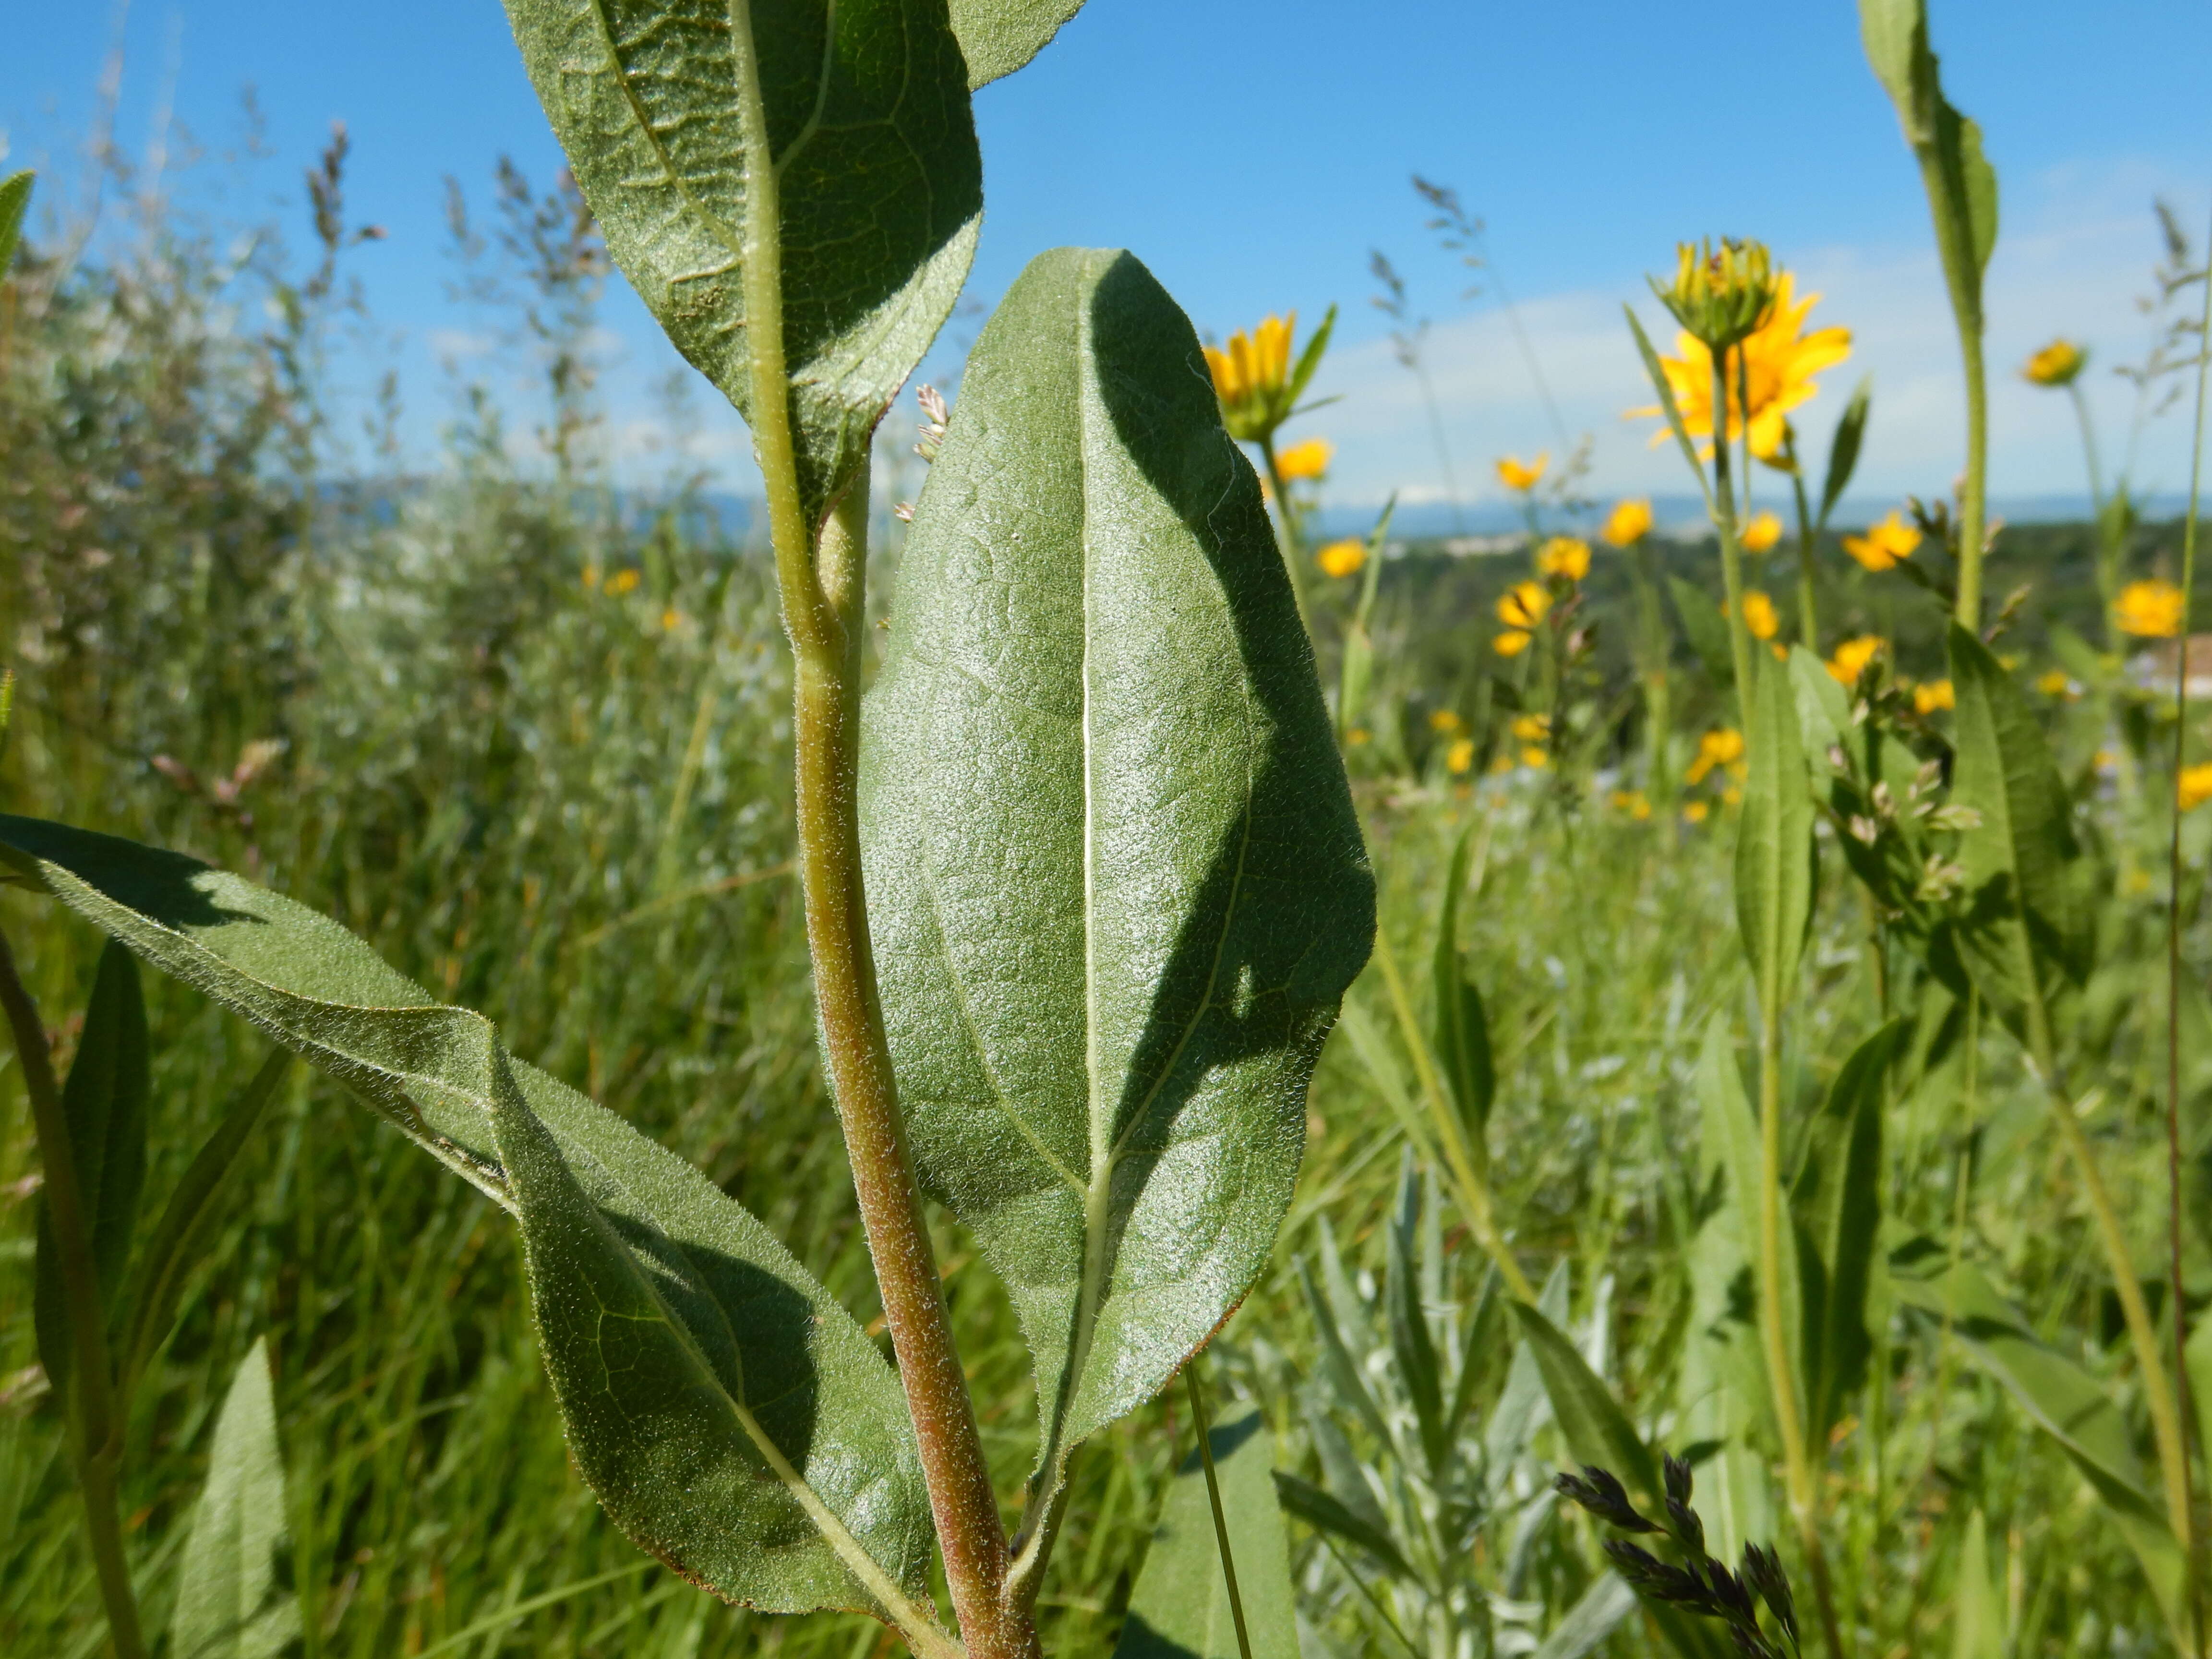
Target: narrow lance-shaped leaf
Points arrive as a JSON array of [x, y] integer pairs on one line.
[[1462, 1029], [1836, 1204], [1774, 842], [2059, 1396], [174, 1245], [1411, 1345], [732, 1418], [232, 1600], [1726, 1111], [1962, 187], [1180, 1606], [2023, 930], [998, 37], [1116, 882], [877, 174], [1590, 1421], [14, 203], [1844, 448], [105, 1103]]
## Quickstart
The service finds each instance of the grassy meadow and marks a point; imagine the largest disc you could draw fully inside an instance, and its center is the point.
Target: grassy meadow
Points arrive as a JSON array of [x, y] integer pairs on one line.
[[529, 737]]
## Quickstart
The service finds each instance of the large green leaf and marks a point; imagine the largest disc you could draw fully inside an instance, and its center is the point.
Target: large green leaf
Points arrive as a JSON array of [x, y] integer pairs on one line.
[[1115, 881], [2024, 929], [105, 1103], [733, 1419], [1836, 1204], [878, 178], [998, 37], [1774, 842], [1180, 1606], [232, 1599]]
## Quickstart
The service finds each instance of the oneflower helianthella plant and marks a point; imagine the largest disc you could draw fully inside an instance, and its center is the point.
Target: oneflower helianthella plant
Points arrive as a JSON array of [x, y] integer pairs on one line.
[[1258, 379], [1050, 996], [1773, 370]]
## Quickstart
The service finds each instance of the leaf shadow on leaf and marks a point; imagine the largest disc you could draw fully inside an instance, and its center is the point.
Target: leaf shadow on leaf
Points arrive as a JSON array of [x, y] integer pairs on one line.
[[1234, 988]]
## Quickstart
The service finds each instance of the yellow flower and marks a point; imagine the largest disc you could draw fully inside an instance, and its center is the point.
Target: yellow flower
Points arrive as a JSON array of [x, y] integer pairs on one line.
[[2059, 363], [1633, 802], [1532, 728], [1358, 735], [622, 583], [1443, 719], [1721, 294], [1935, 695], [1342, 558], [1461, 756], [1306, 459], [1884, 544], [1760, 616], [1629, 522], [2193, 786], [1779, 364], [2054, 682], [1715, 749], [671, 619], [1511, 643], [1695, 811], [1258, 384], [591, 579], [1535, 759], [1523, 606], [1852, 657], [1514, 475], [2152, 610], [1563, 555], [1722, 747], [1760, 535]]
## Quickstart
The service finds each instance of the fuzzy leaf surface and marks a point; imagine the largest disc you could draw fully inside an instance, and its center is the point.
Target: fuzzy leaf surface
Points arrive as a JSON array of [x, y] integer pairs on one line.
[[1116, 882], [998, 37], [880, 184], [232, 1599], [732, 1417]]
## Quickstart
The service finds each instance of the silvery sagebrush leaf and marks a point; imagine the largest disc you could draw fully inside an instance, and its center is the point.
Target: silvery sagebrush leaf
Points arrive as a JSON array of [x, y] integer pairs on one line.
[[104, 1101], [877, 175], [232, 1599], [998, 37], [1115, 881], [1179, 1608], [732, 1417]]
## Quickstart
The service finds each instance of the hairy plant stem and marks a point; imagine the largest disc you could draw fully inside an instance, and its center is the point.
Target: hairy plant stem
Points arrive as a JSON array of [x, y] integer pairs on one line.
[[98, 1425], [823, 589], [1286, 518]]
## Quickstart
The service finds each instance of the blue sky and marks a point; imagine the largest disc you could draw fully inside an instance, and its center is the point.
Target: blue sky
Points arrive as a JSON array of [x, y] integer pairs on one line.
[[1254, 154]]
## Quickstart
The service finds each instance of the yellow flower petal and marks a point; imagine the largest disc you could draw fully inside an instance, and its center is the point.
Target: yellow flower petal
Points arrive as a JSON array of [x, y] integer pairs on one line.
[[1629, 522], [1342, 558], [1307, 459], [1761, 533]]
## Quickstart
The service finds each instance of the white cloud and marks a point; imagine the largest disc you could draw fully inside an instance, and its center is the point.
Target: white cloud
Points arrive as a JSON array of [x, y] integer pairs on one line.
[[2074, 256]]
